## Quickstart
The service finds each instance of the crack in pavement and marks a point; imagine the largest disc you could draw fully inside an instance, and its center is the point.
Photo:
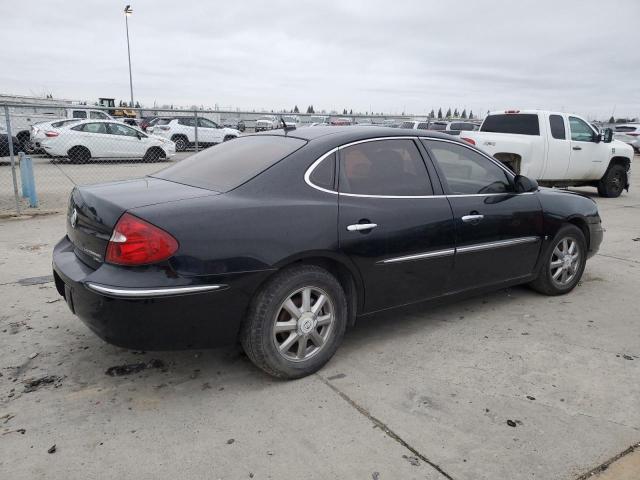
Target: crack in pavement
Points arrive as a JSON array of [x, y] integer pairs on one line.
[[622, 259], [603, 466], [390, 433]]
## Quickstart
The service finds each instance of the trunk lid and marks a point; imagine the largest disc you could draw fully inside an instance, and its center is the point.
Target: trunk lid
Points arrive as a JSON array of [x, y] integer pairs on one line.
[[95, 209]]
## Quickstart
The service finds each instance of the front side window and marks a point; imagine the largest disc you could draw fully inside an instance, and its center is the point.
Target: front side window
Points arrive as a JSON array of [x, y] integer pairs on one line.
[[79, 114], [467, 172], [580, 130], [384, 167], [118, 129], [556, 123]]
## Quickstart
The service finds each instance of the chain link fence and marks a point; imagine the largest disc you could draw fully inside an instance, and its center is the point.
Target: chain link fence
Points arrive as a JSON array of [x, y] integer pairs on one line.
[[46, 149]]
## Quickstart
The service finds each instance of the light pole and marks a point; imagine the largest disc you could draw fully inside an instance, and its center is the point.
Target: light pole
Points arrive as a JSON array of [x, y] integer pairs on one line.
[[127, 12]]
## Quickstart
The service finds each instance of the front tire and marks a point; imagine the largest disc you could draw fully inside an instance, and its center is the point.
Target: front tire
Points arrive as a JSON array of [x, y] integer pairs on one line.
[[564, 262], [296, 322], [181, 143], [154, 154], [613, 182]]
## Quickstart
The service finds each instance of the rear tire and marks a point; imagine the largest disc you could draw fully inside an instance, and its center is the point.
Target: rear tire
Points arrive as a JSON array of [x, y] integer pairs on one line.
[[154, 154], [287, 336], [613, 182], [563, 262], [181, 142], [79, 154]]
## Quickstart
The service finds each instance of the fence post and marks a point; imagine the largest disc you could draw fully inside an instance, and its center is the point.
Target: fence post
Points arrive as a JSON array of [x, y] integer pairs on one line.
[[195, 122], [13, 159], [23, 176], [31, 181]]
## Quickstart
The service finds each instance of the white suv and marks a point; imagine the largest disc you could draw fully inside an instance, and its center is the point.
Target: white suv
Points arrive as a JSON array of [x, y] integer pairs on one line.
[[629, 133], [182, 131]]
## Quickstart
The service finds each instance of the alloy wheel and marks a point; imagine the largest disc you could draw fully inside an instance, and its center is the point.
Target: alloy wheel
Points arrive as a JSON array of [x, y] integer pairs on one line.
[[565, 261], [303, 323]]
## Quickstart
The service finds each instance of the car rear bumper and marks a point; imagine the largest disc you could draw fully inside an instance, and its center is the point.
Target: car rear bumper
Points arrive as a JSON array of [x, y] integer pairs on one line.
[[152, 318]]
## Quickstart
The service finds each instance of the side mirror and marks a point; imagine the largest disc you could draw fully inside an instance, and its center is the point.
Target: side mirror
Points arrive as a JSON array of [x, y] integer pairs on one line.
[[606, 135], [524, 184], [139, 135]]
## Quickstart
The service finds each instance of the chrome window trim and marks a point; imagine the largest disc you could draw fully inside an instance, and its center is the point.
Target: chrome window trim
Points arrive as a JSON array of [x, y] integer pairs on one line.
[[452, 251], [150, 292], [310, 170], [498, 244]]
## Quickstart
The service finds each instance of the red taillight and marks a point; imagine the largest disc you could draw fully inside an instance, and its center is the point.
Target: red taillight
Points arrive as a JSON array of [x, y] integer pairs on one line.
[[51, 134], [468, 140], [136, 242]]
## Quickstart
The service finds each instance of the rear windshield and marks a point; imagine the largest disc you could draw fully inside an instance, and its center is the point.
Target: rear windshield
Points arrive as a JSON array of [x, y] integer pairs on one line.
[[163, 121], [625, 129], [522, 123], [226, 166], [461, 126], [64, 122]]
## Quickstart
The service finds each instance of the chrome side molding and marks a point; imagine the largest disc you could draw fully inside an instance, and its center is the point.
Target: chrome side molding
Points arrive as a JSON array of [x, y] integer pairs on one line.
[[499, 244], [436, 253], [150, 292]]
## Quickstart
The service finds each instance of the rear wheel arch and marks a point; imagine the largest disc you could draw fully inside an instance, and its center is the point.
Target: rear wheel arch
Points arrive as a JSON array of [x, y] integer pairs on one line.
[[79, 153], [347, 275]]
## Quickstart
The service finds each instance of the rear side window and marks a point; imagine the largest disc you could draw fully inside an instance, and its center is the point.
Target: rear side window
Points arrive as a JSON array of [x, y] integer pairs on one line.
[[79, 114], [324, 174], [521, 123], [384, 167], [467, 172], [187, 122], [423, 126], [230, 164], [407, 125], [92, 128], [556, 122]]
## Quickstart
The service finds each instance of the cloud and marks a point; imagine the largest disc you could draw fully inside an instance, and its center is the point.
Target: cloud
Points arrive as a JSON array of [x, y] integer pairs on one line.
[[380, 55]]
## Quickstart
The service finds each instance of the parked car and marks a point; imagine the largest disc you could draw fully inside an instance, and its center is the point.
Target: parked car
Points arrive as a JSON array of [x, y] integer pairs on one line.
[[267, 122], [182, 131], [22, 118], [282, 240], [235, 123], [38, 131], [631, 130], [634, 142], [291, 121], [89, 139], [415, 124], [146, 122], [557, 149], [134, 122], [457, 126], [342, 121], [4, 143]]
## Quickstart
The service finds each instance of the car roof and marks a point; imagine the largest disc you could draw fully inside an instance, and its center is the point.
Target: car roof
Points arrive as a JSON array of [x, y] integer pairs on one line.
[[345, 134]]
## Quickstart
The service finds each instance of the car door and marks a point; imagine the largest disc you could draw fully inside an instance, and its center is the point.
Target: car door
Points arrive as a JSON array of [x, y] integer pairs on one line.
[[210, 131], [392, 226], [587, 152], [558, 148], [96, 138], [125, 140], [498, 232]]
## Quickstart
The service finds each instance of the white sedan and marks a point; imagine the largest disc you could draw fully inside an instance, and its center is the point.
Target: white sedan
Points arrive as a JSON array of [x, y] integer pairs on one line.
[[104, 139]]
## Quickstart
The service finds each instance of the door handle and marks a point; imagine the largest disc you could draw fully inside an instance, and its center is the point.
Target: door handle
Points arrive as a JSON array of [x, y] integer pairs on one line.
[[577, 148], [358, 227], [472, 218]]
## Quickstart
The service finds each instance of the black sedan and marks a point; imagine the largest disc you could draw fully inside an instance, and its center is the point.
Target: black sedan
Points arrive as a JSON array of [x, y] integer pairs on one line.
[[281, 240]]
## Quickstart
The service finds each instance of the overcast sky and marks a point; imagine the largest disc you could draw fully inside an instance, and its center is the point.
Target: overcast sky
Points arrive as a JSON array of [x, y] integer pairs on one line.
[[576, 55]]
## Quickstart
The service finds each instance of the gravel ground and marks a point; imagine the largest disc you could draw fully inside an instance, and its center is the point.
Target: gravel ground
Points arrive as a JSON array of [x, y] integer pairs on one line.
[[510, 385]]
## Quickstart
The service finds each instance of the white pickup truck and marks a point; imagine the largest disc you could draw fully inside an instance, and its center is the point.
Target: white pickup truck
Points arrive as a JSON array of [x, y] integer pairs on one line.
[[557, 149]]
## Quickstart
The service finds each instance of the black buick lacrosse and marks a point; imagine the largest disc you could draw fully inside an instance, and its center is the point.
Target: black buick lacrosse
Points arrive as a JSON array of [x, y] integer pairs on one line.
[[281, 240]]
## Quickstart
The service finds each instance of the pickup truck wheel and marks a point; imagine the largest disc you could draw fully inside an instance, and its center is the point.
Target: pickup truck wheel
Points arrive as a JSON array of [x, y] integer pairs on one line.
[[181, 142], [563, 262], [296, 322], [613, 182]]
